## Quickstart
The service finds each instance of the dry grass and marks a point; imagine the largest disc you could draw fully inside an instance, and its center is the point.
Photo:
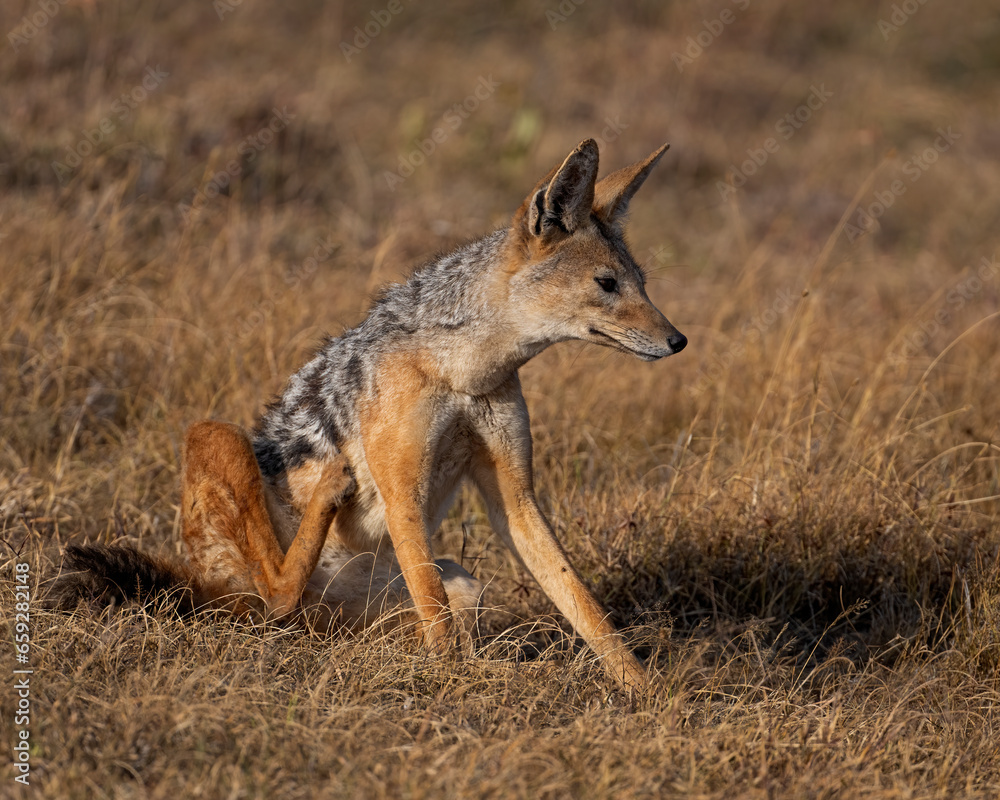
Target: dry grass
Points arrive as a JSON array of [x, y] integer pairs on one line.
[[796, 518]]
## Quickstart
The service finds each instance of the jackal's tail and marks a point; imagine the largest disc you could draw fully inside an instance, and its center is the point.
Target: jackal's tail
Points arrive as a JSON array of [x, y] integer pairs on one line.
[[117, 574]]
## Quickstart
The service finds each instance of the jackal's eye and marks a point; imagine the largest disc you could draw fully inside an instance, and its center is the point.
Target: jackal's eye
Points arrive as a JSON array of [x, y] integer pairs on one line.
[[607, 284]]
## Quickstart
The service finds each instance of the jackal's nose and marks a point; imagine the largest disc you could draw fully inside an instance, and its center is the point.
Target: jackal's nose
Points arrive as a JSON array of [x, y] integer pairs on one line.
[[677, 341]]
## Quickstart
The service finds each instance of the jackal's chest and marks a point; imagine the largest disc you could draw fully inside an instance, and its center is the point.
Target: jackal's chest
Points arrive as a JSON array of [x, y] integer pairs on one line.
[[360, 524], [453, 452]]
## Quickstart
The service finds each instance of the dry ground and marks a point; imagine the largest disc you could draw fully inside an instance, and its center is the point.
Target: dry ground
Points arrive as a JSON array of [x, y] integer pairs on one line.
[[796, 518]]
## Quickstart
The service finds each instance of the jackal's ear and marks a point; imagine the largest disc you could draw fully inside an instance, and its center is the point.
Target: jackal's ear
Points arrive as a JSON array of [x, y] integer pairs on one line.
[[564, 200], [613, 193]]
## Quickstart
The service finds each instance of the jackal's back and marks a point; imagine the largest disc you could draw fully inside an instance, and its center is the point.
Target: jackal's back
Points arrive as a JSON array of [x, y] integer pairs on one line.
[[317, 413]]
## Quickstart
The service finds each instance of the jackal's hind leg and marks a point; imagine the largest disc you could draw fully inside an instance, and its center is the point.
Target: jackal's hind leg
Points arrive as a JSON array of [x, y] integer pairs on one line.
[[226, 527]]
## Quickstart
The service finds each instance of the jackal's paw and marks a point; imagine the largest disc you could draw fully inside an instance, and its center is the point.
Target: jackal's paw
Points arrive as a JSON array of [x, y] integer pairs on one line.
[[440, 637], [338, 484]]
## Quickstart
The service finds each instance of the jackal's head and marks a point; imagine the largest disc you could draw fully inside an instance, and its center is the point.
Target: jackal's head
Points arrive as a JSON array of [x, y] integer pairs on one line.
[[571, 273]]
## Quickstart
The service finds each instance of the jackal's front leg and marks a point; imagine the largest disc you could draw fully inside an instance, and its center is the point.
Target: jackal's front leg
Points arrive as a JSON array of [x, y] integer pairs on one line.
[[502, 472], [515, 516], [396, 430]]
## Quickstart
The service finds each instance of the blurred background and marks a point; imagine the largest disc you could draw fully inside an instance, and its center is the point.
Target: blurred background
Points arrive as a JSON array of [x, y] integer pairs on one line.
[[194, 192], [796, 519]]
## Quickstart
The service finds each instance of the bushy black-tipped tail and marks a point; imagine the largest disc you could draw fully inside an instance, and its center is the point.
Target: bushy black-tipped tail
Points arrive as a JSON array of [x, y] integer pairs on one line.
[[118, 574]]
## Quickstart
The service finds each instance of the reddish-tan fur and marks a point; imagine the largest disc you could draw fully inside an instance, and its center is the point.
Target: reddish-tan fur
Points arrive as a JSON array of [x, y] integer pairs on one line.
[[437, 409], [226, 525]]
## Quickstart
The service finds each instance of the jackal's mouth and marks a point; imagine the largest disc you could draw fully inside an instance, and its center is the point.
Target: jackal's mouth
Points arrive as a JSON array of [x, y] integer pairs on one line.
[[624, 348]]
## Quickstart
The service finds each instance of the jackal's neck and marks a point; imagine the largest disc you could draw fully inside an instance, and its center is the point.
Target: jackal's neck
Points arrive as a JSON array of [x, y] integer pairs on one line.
[[459, 310]]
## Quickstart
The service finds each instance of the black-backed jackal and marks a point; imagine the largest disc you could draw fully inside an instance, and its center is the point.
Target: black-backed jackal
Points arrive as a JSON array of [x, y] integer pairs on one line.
[[328, 507]]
